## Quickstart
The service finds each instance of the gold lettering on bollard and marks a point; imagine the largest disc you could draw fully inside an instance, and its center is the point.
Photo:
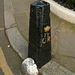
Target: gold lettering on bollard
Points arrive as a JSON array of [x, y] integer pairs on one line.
[[44, 40], [48, 38], [46, 35], [46, 29]]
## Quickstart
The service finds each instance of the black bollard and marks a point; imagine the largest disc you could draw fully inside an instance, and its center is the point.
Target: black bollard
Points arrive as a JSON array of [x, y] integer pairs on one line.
[[40, 33]]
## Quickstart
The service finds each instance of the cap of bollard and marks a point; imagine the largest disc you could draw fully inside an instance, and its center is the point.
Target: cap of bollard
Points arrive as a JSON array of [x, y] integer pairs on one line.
[[40, 2]]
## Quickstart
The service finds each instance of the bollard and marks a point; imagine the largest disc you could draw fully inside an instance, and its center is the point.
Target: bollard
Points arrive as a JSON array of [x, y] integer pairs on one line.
[[40, 33]]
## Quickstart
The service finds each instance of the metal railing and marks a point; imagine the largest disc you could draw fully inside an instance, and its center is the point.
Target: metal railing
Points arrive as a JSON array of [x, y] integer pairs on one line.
[[67, 3]]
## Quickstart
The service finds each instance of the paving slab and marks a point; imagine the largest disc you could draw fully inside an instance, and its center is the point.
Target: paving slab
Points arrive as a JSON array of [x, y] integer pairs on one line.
[[22, 20], [65, 61], [21, 6], [18, 5], [19, 44], [66, 44], [52, 68]]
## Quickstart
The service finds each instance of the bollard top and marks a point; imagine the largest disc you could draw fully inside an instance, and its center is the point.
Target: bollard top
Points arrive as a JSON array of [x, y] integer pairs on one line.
[[40, 3]]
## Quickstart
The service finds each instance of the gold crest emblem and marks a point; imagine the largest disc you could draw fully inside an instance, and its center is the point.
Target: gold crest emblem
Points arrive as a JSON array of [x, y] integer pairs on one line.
[[47, 28]]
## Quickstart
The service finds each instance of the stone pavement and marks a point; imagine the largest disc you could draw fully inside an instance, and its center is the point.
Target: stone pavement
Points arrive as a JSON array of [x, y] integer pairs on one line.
[[9, 61], [13, 24], [63, 42], [17, 30], [52, 68]]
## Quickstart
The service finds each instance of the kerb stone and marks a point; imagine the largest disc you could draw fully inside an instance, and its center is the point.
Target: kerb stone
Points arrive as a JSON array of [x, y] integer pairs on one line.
[[19, 44]]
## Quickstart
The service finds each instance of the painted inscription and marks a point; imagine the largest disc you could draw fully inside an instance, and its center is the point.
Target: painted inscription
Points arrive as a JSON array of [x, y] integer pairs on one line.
[[46, 37]]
